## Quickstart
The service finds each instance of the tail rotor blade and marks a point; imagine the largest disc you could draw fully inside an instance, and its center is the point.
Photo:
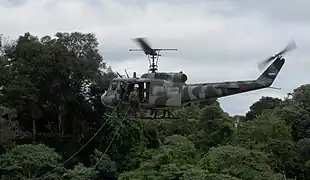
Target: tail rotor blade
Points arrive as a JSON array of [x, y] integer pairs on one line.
[[264, 63], [289, 47]]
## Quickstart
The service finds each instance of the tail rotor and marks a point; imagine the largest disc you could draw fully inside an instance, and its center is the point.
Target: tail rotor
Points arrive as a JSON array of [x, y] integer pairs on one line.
[[289, 47]]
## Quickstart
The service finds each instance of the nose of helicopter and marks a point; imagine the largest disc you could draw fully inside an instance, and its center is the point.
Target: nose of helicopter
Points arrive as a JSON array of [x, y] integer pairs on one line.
[[107, 100]]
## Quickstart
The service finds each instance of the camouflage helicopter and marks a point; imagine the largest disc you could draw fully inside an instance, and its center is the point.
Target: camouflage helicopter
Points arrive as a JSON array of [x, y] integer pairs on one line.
[[166, 91]]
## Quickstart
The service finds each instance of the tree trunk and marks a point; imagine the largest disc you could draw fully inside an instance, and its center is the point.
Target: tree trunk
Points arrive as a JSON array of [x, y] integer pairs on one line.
[[59, 124], [61, 114], [35, 114], [2, 130], [34, 130]]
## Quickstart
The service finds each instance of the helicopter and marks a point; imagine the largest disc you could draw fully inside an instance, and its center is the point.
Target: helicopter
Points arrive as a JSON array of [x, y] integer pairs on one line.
[[165, 91]]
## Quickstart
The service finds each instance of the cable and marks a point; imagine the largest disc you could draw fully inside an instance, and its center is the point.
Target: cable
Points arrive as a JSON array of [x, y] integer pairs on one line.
[[105, 151], [81, 147]]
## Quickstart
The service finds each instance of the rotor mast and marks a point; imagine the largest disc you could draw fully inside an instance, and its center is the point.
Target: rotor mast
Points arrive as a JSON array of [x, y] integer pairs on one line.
[[153, 54]]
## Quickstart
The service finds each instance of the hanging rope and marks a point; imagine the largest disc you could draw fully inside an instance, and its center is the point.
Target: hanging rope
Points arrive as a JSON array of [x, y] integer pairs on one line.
[[121, 123], [115, 109]]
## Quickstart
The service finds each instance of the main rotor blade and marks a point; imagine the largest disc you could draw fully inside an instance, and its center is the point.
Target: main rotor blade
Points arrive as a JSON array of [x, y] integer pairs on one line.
[[145, 46], [289, 47]]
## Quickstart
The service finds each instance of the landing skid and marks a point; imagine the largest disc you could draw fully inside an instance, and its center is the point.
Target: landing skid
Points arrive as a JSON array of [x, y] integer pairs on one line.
[[166, 114], [108, 115], [153, 115]]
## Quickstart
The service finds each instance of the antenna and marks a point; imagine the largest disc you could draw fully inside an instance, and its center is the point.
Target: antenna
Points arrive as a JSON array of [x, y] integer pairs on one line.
[[126, 73], [153, 54], [119, 74]]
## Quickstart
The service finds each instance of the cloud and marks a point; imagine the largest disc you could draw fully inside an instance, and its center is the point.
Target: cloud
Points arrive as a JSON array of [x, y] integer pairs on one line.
[[277, 10], [216, 40]]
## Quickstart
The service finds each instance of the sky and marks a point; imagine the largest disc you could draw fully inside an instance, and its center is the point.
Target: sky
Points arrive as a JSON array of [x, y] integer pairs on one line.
[[217, 40]]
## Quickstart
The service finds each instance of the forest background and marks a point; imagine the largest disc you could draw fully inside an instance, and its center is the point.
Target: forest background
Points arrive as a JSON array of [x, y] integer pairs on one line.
[[50, 107]]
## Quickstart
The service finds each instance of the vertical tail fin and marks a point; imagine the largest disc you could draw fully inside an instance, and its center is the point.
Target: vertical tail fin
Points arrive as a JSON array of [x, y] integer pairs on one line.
[[270, 74]]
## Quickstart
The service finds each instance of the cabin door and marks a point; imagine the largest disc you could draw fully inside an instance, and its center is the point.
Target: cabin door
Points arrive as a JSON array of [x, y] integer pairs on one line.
[[144, 91]]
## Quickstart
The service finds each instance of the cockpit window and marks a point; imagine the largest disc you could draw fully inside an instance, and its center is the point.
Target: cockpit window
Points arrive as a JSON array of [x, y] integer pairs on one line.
[[113, 85]]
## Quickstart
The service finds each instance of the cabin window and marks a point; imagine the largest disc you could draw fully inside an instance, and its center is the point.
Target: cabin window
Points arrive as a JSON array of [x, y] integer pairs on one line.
[[172, 91], [158, 90]]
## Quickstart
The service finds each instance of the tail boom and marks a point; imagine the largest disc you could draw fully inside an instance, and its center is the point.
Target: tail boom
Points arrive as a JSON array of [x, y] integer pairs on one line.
[[204, 91]]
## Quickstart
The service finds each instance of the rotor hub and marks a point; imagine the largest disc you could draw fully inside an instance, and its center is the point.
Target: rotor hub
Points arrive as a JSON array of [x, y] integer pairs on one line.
[[153, 54]]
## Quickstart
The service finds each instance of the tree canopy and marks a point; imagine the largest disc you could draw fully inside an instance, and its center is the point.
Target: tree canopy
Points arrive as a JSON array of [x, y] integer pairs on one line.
[[50, 107]]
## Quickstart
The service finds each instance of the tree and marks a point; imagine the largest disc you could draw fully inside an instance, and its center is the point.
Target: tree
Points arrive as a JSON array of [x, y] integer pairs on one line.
[[9, 129], [270, 134], [216, 127], [263, 103], [26, 161], [54, 83], [238, 162], [296, 112], [52, 76]]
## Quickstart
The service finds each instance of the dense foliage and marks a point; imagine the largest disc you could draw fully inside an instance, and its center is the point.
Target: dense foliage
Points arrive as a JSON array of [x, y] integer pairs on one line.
[[50, 107]]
